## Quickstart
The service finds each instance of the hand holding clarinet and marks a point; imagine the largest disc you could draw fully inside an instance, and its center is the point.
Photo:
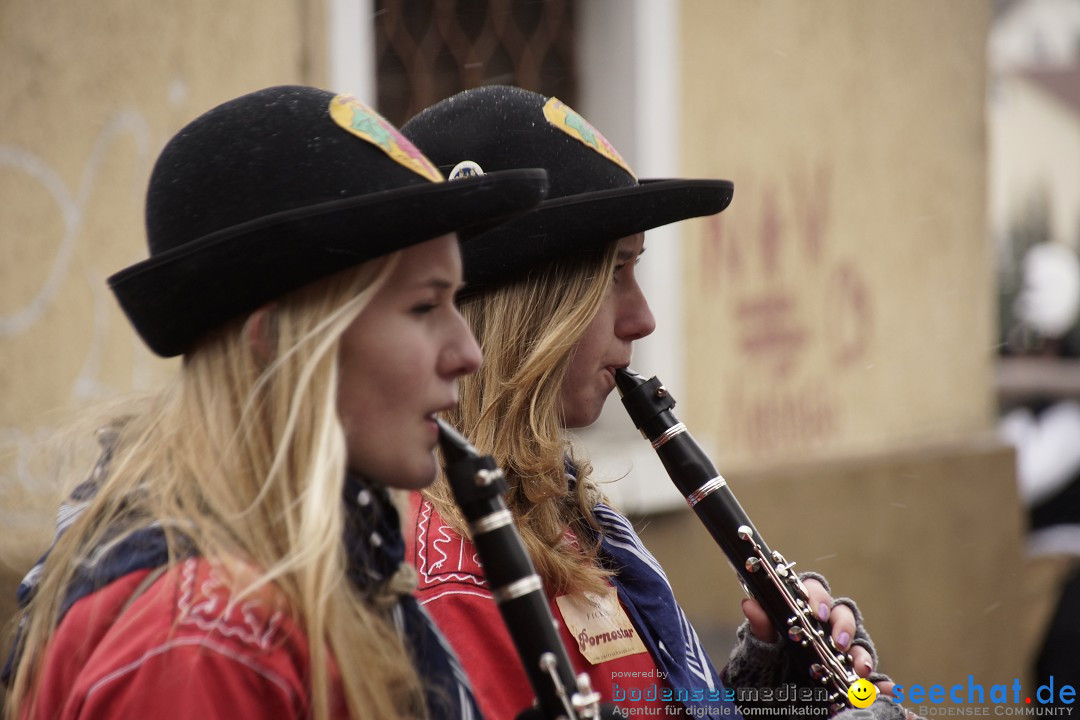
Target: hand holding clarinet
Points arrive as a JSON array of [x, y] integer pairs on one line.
[[820, 632]]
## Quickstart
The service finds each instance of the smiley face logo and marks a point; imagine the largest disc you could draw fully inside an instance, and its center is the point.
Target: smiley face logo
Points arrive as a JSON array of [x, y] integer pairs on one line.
[[862, 693]]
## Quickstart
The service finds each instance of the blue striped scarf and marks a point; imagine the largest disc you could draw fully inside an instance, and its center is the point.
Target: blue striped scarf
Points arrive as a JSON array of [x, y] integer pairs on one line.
[[647, 597]]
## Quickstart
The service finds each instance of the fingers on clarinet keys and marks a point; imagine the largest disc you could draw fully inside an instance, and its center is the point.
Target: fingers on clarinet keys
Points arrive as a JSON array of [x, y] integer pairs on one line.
[[797, 583], [844, 658], [746, 588], [800, 634], [797, 633], [840, 652]]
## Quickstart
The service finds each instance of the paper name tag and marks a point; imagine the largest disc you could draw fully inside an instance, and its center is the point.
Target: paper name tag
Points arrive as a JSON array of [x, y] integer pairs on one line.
[[600, 626]]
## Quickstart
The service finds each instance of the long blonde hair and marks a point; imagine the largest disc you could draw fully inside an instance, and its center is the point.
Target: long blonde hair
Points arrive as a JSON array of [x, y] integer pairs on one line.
[[243, 457], [510, 409]]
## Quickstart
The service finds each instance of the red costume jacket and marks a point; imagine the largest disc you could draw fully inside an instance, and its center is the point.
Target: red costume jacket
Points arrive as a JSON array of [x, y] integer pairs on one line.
[[178, 638], [453, 591]]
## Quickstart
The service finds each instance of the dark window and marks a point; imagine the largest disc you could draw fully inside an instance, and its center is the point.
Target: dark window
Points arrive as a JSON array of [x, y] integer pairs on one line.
[[427, 50]]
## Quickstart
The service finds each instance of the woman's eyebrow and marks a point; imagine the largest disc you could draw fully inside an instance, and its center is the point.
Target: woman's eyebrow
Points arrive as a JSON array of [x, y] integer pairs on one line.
[[435, 281], [628, 254], [438, 284]]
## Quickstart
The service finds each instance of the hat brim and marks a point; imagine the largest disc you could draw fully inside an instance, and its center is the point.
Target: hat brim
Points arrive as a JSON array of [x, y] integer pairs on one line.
[[174, 296], [582, 223]]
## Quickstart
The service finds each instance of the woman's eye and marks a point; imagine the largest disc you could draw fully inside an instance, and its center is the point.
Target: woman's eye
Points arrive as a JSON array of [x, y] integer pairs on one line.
[[424, 307]]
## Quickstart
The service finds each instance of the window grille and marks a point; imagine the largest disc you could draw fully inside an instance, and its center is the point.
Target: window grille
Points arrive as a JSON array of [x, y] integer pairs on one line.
[[427, 50]]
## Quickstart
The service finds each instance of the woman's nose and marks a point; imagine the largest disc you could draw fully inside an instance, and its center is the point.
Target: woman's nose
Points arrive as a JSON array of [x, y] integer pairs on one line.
[[635, 318], [463, 356]]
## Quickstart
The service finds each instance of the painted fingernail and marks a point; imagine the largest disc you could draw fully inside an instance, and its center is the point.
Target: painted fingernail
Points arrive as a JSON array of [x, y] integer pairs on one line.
[[823, 612], [844, 640]]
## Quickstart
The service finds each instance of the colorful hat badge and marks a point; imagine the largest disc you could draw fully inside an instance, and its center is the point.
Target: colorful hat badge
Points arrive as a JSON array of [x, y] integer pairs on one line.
[[365, 123], [563, 117]]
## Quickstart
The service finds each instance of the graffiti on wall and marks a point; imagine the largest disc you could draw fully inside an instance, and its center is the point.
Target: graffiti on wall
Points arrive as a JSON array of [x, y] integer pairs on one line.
[[795, 309], [18, 440]]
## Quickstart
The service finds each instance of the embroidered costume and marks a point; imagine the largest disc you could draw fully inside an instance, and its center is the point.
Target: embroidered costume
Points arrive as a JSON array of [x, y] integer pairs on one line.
[[635, 643], [144, 636]]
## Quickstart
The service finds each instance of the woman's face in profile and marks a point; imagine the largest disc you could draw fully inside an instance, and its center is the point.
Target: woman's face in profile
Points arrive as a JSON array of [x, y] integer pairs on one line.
[[399, 364], [607, 343]]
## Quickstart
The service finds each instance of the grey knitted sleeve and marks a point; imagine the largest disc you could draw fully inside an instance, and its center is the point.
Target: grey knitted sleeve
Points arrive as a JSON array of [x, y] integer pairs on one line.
[[756, 663]]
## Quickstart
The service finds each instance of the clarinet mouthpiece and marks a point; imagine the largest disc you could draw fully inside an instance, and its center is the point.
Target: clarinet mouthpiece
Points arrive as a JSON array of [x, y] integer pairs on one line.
[[626, 380], [643, 399], [454, 445]]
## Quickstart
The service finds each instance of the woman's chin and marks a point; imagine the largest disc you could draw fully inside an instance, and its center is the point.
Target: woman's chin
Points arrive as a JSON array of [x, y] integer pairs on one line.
[[581, 419], [417, 478], [406, 477]]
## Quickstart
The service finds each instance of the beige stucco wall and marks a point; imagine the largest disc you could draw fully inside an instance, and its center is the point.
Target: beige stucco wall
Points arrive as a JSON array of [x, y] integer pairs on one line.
[[839, 325], [843, 303], [91, 92]]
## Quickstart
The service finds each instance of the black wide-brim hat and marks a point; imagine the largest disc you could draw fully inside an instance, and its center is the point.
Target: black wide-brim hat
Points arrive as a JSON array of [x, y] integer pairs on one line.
[[594, 198], [282, 187]]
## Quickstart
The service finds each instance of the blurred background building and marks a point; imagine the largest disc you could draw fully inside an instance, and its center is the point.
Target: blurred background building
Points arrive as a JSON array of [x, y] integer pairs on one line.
[[1033, 123], [833, 338]]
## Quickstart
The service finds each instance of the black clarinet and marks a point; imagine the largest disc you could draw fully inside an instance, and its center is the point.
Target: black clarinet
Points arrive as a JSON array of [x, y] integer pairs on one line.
[[478, 486], [765, 575]]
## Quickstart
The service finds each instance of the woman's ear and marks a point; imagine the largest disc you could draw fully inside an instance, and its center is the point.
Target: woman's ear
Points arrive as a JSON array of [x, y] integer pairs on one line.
[[259, 333]]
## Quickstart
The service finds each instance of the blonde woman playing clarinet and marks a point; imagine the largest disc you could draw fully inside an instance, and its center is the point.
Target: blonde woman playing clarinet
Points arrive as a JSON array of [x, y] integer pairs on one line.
[[235, 553], [554, 301]]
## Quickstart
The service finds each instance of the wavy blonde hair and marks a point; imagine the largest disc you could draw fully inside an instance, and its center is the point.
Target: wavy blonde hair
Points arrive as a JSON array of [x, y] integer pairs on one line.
[[242, 458], [528, 330]]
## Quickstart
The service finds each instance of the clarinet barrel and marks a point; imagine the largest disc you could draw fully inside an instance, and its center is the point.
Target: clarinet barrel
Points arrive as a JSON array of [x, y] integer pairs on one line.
[[765, 574], [478, 486]]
